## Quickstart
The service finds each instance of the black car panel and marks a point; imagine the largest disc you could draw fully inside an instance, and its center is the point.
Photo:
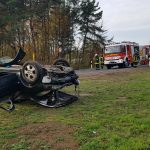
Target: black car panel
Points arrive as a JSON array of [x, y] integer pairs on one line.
[[39, 84], [4, 62]]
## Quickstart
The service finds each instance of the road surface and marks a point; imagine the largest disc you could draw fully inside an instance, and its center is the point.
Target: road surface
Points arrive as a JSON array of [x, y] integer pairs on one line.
[[86, 72], [93, 72]]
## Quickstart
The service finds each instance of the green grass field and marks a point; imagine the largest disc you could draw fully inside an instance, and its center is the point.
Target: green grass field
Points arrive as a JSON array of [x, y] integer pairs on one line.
[[113, 113]]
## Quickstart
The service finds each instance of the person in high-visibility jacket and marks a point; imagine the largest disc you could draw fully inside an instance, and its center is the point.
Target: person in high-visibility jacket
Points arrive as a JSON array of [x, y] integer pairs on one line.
[[135, 58], [149, 58], [102, 61], [97, 61]]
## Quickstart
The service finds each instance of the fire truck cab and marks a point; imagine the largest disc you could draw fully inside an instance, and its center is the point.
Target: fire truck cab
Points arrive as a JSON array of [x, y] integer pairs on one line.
[[124, 54]]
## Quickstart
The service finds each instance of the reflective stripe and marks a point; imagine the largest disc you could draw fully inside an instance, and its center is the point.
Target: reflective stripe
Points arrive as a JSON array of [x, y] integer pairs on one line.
[[102, 59], [99, 60], [135, 58]]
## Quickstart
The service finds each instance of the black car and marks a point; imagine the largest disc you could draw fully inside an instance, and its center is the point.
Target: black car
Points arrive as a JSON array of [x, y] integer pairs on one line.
[[34, 82]]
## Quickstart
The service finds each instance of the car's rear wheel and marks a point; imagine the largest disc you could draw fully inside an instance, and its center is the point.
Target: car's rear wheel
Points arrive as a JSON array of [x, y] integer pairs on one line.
[[31, 73], [62, 62]]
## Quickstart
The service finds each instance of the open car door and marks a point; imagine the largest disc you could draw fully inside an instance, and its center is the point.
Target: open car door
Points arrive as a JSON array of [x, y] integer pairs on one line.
[[4, 61]]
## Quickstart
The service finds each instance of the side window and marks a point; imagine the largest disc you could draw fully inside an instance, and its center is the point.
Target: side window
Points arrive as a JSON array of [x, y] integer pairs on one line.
[[123, 48], [136, 49]]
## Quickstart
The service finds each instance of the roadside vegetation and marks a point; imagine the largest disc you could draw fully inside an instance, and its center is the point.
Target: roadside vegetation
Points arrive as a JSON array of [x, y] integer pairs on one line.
[[113, 113], [45, 27]]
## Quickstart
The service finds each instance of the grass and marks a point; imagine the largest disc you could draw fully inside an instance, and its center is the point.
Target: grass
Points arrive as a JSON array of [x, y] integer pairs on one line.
[[113, 113]]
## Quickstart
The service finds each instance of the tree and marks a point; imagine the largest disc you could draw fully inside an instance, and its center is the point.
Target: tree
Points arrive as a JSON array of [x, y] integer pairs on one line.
[[89, 23], [39, 25]]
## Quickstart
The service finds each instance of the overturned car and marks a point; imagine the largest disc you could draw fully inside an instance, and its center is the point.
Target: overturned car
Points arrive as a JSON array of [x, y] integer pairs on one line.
[[34, 82]]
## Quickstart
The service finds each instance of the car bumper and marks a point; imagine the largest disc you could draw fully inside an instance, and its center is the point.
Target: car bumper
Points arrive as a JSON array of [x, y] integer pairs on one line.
[[113, 62]]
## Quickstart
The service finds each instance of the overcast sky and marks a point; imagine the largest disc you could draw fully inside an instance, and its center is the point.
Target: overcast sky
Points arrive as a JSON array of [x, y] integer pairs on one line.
[[127, 20]]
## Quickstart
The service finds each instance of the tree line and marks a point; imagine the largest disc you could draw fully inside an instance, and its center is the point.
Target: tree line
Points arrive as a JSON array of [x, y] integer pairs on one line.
[[44, 27]]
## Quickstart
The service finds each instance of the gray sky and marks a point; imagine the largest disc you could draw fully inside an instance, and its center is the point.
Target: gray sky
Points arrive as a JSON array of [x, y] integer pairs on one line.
[[127, 20]]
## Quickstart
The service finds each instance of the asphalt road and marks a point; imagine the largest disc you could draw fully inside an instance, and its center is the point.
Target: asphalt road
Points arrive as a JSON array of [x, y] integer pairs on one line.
[[94, 72], [86, 72]]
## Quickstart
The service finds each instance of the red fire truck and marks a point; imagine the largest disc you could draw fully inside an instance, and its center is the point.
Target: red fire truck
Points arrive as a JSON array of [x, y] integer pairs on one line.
[[144, 54], [123, 54]]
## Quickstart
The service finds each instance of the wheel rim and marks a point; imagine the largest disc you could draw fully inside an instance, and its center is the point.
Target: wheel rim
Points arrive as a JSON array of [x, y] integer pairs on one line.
[[30, 73]]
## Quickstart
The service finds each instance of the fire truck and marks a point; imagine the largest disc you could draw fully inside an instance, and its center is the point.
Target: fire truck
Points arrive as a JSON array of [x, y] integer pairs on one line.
[[122, 54], [144, 54]]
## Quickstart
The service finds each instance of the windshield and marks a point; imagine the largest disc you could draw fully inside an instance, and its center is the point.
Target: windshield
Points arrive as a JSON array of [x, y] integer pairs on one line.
[[115, 49], [136, 49]]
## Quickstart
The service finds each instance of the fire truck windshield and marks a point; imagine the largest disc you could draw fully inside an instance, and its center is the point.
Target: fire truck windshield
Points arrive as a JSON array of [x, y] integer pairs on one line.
[[114, 49]]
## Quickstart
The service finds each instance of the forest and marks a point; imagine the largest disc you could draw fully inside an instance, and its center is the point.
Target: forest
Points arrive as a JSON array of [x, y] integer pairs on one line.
[[44, 28]]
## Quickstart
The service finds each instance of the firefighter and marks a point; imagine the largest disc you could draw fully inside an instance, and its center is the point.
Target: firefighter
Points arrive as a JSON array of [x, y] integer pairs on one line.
[[102, 61], [136, 57], [149, 58], [97, 61]]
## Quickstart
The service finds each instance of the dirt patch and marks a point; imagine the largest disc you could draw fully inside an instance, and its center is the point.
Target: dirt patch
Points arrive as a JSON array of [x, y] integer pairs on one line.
[[53, 134], [122, 99], [85, 94]]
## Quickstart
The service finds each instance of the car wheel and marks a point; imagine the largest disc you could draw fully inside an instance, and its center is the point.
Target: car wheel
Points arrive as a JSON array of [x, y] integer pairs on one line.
[[31, 73], [62, 62]]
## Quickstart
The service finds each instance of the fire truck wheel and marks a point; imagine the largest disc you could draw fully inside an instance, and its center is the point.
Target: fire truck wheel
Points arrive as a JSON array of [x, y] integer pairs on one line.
[[126, 64], [108, 67], [121, 66], [133, 65]]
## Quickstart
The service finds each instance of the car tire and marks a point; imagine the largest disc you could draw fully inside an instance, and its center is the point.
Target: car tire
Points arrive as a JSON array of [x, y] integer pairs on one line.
[[31, 73], [62, 62]]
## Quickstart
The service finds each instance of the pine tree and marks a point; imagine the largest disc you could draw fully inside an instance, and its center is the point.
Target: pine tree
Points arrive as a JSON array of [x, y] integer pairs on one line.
[[90, 25]]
